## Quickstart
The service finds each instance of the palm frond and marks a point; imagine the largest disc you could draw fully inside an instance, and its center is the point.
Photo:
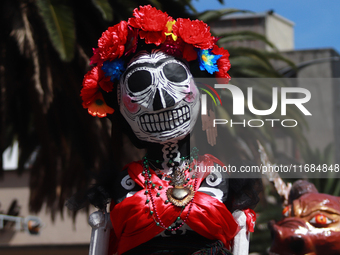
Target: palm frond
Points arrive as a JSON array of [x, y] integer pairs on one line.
[[251, 67], [58, 18], [211, 15], [105, 8], [242, 36]]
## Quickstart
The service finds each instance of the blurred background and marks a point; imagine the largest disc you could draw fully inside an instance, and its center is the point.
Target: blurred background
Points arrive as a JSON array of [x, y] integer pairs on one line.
[[51, 147]]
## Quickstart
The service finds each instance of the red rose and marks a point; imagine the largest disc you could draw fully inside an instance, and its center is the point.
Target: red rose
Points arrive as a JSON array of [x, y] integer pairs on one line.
[[112, 43], [223, 62], [94, 79], [152, 23], [194, 32]]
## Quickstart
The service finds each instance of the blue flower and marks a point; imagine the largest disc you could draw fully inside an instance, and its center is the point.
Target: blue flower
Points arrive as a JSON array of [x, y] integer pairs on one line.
[[207, 61], [114, 69]]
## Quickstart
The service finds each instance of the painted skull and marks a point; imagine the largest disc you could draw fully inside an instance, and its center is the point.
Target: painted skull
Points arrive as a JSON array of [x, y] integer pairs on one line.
[[158, 97]]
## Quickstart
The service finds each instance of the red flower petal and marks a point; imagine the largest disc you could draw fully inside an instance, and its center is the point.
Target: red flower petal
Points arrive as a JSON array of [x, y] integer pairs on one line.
[[223, 62], [194, 32], [94, 79], [152, 23], [189, 52], [220, 51], [148, 18], [106, 84], [111, 44], [153, 37], [98, 107], [95, 59]]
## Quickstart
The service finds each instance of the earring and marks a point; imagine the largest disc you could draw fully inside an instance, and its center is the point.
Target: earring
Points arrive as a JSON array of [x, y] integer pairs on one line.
[[208, 127]]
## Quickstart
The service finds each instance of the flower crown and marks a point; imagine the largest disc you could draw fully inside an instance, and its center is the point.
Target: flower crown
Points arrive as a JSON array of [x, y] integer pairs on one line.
[[184, 38]]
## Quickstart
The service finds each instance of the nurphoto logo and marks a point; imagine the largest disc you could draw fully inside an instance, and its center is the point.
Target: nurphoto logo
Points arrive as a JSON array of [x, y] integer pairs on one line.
[[302, 96]]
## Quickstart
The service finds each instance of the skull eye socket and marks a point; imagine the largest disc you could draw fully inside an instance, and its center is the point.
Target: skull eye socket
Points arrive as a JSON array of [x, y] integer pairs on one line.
[[175, 72], [139, 81]]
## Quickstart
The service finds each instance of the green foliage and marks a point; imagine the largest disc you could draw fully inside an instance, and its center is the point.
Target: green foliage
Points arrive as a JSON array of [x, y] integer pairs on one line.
[[105, 9], [58, 18], [261, 239], [325, 182], [244, 36], [211, 15]]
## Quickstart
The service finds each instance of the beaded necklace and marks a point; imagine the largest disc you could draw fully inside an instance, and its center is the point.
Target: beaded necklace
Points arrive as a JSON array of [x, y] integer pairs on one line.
[[180, 195]]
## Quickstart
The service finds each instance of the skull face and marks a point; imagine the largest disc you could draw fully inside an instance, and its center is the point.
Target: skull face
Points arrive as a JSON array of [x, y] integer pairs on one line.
[[158, 97]]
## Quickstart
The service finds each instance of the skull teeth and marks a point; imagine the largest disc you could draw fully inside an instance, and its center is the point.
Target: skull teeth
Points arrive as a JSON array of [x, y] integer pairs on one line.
[[165, 121]]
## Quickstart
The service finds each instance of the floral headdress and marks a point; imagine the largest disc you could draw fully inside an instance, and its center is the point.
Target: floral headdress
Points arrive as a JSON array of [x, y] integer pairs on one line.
[[184, 38]]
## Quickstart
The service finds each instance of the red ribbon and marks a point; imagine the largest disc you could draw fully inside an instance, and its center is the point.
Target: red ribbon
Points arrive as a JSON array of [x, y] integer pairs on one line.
[[133, 224], [251, 218]]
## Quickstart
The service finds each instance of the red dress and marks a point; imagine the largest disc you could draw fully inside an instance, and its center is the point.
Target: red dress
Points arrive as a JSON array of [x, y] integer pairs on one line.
[[133, 224]]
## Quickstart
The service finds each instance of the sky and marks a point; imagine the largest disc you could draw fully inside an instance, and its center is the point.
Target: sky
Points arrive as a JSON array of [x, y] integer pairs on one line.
[[316, 22]]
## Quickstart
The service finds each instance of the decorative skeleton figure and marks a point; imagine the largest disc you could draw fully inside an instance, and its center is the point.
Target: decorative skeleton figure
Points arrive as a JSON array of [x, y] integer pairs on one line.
[[158, 97], [164, 195], [160, 101]]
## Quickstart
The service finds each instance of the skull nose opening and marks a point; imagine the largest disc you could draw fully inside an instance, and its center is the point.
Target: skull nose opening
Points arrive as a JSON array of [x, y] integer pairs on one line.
[[159, 104]]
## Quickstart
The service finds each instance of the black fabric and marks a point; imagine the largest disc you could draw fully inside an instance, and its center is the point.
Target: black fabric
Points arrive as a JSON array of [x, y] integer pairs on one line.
[[243, 192], [177, 244], [99, 194]]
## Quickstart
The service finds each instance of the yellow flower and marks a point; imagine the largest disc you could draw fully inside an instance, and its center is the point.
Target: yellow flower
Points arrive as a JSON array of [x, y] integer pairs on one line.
[[169, 26]]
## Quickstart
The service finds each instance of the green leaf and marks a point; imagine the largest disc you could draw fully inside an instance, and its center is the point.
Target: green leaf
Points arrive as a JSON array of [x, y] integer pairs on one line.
[[212, 15], [251, 66], [337, 189], [251, 53], [105, 8], [328, 154], [58, 18], [156, 4], [244, 35], [190, 6], [278, 56]]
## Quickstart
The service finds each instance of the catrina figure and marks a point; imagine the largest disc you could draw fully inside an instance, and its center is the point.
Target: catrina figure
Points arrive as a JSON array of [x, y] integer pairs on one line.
[[162, 204]]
